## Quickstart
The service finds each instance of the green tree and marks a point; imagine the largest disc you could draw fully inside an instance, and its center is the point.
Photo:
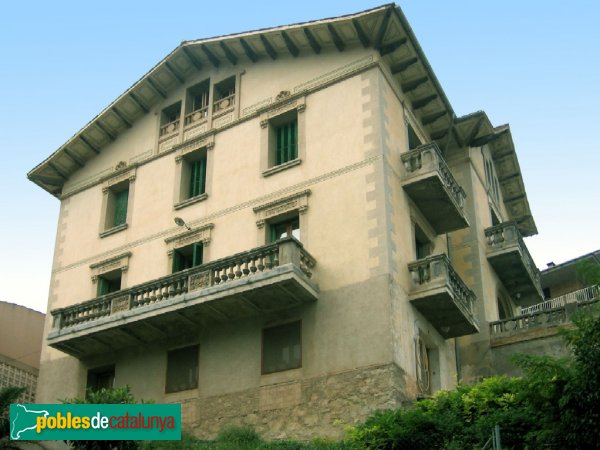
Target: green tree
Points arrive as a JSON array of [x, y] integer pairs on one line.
[[105, 396], [8, 395]]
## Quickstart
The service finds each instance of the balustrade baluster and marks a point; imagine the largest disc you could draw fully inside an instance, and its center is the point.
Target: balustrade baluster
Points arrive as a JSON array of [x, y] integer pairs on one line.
[[261, 265], [238, 272], [231, 275], [245, 270]]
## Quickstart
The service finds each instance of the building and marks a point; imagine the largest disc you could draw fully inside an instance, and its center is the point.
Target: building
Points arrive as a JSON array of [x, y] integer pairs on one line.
[[535, 329], [21, 335], [287, 228]]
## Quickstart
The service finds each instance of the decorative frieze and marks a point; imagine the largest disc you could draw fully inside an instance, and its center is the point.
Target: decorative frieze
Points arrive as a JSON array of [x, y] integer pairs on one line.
[[199, 280], [201, 234], [295, 202], [121, 176], [119, 304], [118, 262]]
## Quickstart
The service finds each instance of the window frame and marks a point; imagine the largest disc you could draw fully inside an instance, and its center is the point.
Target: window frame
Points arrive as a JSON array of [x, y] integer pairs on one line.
[[197, 368], [262, 347], [283, 112], [184, 163], [113, 189]]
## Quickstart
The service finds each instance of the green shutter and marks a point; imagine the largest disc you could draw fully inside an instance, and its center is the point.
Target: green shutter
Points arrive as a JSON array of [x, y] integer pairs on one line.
[[287, 142], [102, 286], [197, 254], [176, 261], [121, 207], [198, 177]]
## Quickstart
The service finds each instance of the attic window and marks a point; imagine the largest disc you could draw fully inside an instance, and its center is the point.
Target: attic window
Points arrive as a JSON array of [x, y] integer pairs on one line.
[[196, 105], [169, 119], [224, 95]]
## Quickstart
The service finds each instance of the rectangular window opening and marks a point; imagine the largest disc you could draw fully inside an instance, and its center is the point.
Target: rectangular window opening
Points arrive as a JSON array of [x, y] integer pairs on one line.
[[101, 378], [196, 105], [423, 246], [282, 348], [289, 227], [117, 204], [109, 282], [187, 257], [169, 119], [182, 369], [224, 95]]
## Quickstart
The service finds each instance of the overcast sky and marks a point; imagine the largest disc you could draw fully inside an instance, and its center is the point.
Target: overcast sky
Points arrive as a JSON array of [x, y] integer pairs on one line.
[[533, 64]]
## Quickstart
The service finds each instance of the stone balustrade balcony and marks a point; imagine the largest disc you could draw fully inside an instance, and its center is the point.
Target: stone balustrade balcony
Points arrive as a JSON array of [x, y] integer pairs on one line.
[[439, 293], [508, 255], [266, 279], [429, 183]]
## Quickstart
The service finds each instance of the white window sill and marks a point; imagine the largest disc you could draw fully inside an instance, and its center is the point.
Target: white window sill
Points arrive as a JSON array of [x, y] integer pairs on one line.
[[281, 167], [113, 230], [191, 201]]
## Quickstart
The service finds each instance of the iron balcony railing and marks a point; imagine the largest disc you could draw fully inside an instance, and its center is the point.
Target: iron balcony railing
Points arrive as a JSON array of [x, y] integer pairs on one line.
[[582, 295], [428, 157]]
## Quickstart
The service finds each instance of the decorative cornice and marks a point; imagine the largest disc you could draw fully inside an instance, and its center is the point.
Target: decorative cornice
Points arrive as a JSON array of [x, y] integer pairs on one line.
[[295, 202]]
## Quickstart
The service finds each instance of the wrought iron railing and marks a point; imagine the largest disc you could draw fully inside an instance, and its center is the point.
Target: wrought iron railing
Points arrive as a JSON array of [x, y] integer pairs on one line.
[[219, 272], [428, 157], [582, 295], [506, 235], [437, 269], [555, 316]]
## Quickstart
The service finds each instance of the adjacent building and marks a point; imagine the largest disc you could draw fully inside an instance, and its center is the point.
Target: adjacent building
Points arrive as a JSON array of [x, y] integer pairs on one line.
[[536, 329], [287, 228], [21, 334]]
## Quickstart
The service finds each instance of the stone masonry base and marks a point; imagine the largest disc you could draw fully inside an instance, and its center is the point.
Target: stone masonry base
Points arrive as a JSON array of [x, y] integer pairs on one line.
[[315, 407]]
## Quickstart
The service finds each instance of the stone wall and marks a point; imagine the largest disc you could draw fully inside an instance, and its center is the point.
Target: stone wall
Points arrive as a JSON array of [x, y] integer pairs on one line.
[[321, 406]]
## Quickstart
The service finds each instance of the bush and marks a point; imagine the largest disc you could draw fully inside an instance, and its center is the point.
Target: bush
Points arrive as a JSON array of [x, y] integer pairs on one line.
[[8, 395], [105, 396]]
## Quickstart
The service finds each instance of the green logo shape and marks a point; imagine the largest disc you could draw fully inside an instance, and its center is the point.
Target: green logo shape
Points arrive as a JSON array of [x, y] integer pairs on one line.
[[95, 422]]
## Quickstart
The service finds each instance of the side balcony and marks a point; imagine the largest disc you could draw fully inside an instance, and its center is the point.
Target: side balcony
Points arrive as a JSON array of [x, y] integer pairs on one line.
[[266, 279], [429, 183], [508, 255], [442, 297]]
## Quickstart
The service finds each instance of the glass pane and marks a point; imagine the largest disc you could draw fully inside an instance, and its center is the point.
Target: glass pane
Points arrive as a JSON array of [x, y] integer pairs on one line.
[[182, 369], [282, 348]]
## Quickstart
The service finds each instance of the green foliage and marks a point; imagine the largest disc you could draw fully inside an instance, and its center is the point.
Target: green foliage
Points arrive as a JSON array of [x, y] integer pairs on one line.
[[105, 396], [588, 271], [8, 395], [555, 405], [240, 436]]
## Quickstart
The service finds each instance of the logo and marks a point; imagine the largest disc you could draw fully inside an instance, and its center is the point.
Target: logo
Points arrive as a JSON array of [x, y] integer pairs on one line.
[[95, 422]]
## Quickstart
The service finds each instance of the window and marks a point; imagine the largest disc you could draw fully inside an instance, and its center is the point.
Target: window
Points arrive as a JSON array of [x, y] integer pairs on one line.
[[169, 119], [196, 105], [281, 348], [187, 257], [182, 369], [101, 378], [287, 228], [413, 139], [116, 206], [287, 142], [495, 220], [192, 179], [109, 282], [224, 95], [423, 246], [283, 139]]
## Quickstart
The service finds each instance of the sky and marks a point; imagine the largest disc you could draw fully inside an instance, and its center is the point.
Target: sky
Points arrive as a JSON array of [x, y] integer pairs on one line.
[[534, 64]]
